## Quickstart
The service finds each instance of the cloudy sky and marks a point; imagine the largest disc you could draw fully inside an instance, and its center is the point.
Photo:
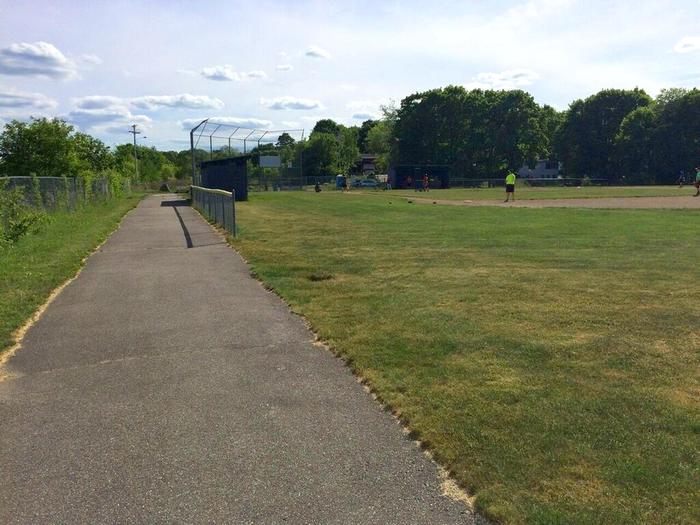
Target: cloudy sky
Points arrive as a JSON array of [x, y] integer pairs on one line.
[[103, 65]]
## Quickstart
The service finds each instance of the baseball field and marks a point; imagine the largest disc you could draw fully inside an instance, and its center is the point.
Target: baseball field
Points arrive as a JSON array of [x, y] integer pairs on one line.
[[548, 357]]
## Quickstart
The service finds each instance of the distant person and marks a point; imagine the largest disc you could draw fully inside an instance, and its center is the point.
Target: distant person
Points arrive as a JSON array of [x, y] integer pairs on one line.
[[426, 183], [317, 187], [409, 181], [697, 182], [345, 184], [681, 179], [510, 186]]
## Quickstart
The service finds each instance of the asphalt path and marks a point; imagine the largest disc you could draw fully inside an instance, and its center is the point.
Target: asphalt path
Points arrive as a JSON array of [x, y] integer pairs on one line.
[[165, 385]]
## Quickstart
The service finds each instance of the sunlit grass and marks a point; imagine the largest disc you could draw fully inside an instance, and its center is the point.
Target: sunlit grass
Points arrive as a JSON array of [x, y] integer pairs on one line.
[[524, 192], [548, 357]]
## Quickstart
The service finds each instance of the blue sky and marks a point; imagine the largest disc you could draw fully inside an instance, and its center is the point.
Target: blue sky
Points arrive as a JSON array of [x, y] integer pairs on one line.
[[163, 65]]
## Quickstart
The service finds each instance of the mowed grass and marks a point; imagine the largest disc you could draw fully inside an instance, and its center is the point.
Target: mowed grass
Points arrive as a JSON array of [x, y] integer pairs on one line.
[[548, 357], [530, 193], [39, 262]]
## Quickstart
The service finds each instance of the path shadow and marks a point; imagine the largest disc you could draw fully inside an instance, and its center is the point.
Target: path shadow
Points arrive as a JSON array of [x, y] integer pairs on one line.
[[177, 202]]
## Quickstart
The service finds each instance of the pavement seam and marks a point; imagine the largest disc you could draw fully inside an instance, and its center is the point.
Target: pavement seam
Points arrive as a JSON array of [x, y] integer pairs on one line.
[[153, 356]]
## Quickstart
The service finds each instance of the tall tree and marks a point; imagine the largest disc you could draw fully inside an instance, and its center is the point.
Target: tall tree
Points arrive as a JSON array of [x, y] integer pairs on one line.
[[635, 148], [677, 133], [42, 147], [326, 125], [586, 138], [478, 133], [363, 133]]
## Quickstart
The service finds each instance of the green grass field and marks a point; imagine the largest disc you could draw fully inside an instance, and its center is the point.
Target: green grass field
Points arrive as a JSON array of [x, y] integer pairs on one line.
[[548, 357], [525, 192], [39, 262]]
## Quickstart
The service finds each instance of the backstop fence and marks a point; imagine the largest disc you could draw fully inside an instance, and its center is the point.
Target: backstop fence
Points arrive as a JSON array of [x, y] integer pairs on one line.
[[219, 206], [51, 193]]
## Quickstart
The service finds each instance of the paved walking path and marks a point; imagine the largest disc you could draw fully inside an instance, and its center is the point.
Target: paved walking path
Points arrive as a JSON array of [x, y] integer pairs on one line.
[[165, 385]]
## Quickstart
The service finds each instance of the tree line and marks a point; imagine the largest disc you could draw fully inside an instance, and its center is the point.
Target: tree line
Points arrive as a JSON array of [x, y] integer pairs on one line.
[[44, 147], [623, 136]]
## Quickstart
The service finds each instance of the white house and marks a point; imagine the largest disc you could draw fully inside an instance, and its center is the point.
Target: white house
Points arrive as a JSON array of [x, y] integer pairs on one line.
[[544, 169]]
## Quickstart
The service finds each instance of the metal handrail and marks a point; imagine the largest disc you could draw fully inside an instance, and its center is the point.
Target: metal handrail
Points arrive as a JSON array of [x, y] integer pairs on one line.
[[219, 206]]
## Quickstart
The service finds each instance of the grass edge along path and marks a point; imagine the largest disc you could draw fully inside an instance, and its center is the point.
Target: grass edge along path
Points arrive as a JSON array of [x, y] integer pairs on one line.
[[36, 268], [551, 374]]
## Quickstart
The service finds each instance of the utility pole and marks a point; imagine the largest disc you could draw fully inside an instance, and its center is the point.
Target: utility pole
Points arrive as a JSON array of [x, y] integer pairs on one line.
[[136, 158]]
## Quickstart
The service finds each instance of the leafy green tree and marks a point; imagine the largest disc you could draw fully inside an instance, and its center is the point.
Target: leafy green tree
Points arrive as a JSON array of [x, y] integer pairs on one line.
[[363, 133], [91, 153], [549, 121], [326, 125], [478, 133], [285, 140], [634, 145], [43, 147], [321, 154], [677, 133], [378, 142], [586, 138], [348, 153]]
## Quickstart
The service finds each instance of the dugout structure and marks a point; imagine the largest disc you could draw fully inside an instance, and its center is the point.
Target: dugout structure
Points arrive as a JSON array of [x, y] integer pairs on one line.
[[410, 176], [229, 174], [227, 169]]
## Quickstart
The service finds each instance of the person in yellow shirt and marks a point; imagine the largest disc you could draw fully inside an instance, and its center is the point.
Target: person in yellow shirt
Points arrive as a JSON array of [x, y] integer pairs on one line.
[[510, 186]]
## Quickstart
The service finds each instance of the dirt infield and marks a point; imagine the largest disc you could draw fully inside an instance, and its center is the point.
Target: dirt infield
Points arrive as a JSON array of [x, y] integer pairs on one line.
[[688, 202]]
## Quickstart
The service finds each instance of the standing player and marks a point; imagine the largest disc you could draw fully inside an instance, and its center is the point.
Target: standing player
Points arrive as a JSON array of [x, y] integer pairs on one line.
[[510, 186], [426, 183], [681, 179], [697, 181]]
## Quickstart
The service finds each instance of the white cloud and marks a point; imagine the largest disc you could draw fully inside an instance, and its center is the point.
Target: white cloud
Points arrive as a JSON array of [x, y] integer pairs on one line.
[[89, 118], [150, 102], [290, 123], [364, 116], [291, 103], [97, 102], [317, 52], [39, 59], [364, 109], [220, 73], [284, 67], [510, 79], [18, 99], [250, 123], [102, 113], [228, 73], [91, 59], [254, 74], [183, 100], [687, 44]]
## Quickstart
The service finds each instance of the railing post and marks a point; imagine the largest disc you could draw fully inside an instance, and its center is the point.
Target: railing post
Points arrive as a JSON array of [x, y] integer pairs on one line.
[[233, 211]]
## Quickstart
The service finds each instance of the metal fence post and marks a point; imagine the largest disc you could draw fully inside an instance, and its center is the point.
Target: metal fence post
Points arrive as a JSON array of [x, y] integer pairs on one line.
[[233, 212]]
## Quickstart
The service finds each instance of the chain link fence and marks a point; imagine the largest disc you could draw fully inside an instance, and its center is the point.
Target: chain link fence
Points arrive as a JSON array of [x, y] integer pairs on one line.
[[218, 206], [51, 193]]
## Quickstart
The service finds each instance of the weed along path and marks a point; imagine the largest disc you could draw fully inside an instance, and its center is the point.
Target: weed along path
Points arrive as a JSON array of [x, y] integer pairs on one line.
[[166, 385]]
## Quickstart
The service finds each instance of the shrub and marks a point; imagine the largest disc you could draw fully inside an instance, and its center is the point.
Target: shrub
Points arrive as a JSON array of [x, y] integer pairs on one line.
[[16, 217]]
